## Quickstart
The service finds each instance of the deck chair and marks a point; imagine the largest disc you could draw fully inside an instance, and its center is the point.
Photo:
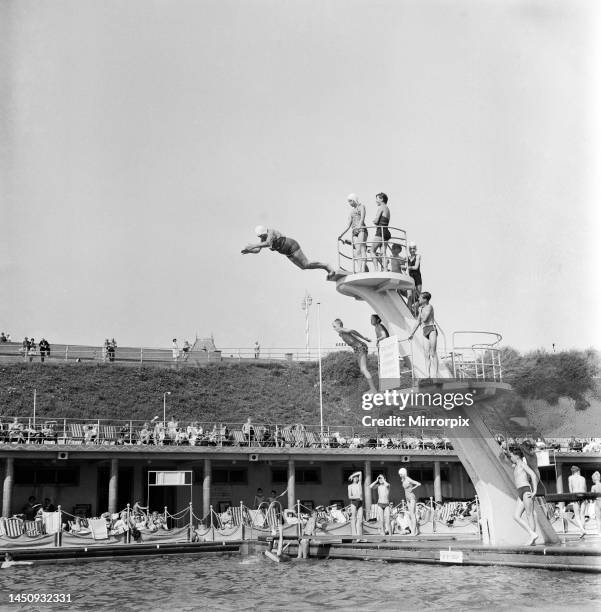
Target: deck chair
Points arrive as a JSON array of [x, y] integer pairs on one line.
[[33, 528], [312, 439], [288, 437], [239, 438], [108, 433], [237, 515], [12, 527], [77, 435], [299, 437]]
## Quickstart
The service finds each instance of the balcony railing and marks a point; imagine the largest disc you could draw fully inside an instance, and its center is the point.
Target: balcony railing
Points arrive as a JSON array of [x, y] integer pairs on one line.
[[49, 431], [476, 355]]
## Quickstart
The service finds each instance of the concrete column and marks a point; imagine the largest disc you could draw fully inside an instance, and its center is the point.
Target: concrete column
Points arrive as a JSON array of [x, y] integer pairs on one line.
[[559, 477], [366, 487], [559, 482], [437, 482], [206, 489], [113, 485], [7, 489], [461, 481], [138, 489], [291, 484]]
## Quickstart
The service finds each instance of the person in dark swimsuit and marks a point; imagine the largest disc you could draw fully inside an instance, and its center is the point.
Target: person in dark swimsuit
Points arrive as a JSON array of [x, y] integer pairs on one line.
[[354, 339], [414, 262], [382, 233], [426, 318], [381, 331], [275, 241], [355, 495], [358, 240], [526, 483]]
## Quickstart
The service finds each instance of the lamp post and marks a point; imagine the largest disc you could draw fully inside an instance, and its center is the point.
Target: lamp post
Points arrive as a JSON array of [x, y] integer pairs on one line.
[[320, 377], [305, 304], [165, 407]]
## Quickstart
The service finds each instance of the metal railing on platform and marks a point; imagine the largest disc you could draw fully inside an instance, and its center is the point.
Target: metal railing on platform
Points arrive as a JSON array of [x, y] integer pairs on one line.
[[477, 355], [381, 253]]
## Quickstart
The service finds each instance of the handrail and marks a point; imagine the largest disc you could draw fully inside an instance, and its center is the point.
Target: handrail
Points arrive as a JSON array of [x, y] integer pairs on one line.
[[397, 236], [478, 362]]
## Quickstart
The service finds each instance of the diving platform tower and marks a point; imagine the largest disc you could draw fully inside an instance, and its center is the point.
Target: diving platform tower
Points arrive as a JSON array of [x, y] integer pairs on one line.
[[473, 367]]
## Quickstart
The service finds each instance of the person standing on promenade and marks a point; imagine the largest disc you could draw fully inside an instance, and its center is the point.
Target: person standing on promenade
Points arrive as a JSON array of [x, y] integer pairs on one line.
[[526, 483], [257, 349], [426, 318], [409, 485], [383, 507], [355, 495], [356, 221], [577, 484], [275, 241], [354, 339]]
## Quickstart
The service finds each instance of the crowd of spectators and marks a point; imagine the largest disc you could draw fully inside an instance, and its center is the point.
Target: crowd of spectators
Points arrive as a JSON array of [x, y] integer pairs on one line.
[[571, 445], [30, 349]]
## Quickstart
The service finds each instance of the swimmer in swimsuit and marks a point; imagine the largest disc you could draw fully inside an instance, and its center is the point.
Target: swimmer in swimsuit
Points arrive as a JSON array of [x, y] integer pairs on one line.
[[414, 261], [382, 233], [356, 221], [525, 482], [381, 331], [355, 495], [275, 241], [353, 339], [383, 507], [426, 318], [409, 485]]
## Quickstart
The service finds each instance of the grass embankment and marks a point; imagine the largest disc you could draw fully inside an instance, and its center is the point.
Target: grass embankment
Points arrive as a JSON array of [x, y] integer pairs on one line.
[[281, 392], [271, 392]]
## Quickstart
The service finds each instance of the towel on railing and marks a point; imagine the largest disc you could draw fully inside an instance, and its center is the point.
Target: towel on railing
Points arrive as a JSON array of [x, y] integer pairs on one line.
[[99, 529], [52, 521]]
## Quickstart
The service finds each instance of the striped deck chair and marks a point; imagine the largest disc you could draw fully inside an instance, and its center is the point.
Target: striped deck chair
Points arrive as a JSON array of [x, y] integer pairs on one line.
[[108, 433], [12, 527], [76, 430], [33, 528], [260, 434], [288, 436], [239, 438], [299, 437], [324, 439], [312, 439], [237, 515]]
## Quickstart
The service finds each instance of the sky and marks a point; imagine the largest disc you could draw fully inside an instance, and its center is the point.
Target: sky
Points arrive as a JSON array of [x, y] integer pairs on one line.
[[141, 141]]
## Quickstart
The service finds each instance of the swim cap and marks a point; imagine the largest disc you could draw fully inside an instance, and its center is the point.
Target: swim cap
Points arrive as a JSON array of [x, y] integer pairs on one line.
[[353, 198], [412, 245], [260, 230]]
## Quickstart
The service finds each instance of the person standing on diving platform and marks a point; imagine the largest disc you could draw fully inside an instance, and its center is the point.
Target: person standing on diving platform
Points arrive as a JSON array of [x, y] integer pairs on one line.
[[275, 241]]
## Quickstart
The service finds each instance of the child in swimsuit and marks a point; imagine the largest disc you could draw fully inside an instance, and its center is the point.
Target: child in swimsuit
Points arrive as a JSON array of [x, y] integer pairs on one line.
[[383, 508], [275, 241], [426, 318], [354, 339]]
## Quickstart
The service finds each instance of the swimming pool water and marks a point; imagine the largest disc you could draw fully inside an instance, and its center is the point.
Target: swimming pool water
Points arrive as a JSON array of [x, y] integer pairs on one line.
[[233, 583]]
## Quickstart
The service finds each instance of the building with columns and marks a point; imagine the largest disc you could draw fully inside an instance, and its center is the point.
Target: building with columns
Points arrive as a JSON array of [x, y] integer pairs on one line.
[[95, 478]]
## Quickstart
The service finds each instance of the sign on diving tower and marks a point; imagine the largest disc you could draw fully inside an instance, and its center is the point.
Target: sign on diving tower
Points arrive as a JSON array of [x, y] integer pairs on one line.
[[472, 368]]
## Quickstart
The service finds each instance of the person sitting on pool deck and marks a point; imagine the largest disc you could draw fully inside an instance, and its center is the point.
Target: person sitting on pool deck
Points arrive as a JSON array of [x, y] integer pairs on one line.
[[353, 339], [355, 495], [275, 241], [383, 507], [526, 483], [577, 484], [426, 318]]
